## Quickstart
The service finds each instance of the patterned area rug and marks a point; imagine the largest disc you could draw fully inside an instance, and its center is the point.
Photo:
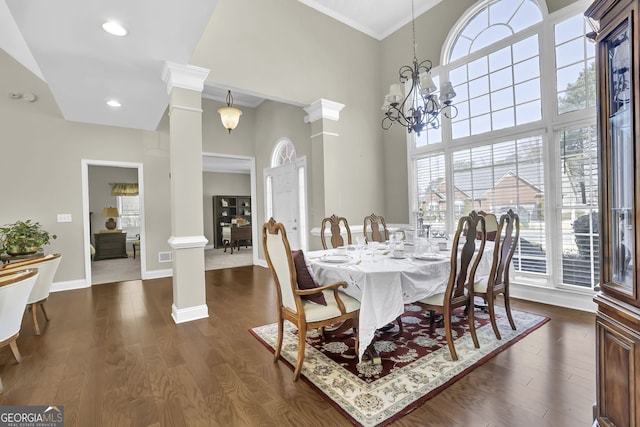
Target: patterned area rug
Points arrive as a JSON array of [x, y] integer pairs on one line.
[[415, 366]]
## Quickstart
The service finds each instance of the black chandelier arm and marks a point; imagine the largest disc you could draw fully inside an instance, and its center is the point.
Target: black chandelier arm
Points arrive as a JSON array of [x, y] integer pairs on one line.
[[425, 66]]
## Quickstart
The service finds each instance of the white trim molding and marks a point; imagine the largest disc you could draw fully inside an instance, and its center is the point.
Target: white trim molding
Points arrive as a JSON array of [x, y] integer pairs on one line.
[[315, 135], [187, 242], [323, 109], [182, 107], [69, 285], [189, 314], [554, 296], [184, 76]]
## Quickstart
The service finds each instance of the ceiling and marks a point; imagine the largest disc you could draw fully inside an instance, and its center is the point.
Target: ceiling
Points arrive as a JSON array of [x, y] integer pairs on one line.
[[63, 43]]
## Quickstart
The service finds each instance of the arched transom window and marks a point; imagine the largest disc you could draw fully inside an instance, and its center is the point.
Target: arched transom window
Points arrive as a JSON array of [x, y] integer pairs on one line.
[[284, 153]]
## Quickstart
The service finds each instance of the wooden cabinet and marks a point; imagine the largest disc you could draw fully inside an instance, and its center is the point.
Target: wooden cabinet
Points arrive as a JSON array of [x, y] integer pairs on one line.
[[615, 24], [110, 245], [227, 211]]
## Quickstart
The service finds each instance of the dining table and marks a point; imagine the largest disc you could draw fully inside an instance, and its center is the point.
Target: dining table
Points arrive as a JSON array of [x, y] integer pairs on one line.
[[384, 283]]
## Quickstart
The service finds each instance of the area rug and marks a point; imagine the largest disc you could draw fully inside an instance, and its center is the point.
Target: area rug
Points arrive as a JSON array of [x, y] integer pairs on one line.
[[415, 366]]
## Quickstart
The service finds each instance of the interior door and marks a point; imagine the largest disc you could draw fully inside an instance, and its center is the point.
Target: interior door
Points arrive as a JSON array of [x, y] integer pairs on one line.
[[285, 193]]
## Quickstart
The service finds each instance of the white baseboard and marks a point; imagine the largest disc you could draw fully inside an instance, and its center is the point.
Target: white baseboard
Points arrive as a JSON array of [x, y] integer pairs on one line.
[[69, 285], [157, 274], [559, 297], [262, 263], [190, 313], [209, 247]]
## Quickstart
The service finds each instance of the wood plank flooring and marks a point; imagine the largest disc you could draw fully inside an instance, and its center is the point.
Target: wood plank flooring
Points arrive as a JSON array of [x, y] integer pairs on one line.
[[112, 355]]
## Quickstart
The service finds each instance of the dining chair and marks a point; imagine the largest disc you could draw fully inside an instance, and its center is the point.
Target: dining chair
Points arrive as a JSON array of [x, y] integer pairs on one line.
[[491, 223], [47, 267], [336, 237], [15, 286], [303, 313], [508, 234], [462, 271], [371, 229]]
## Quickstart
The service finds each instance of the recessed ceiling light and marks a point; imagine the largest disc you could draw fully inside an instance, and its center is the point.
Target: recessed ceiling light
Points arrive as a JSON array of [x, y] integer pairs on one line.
[[114, 103], [114, 28]]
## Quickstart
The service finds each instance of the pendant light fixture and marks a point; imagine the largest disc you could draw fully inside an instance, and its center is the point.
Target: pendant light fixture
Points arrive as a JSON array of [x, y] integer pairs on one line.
[[229, 115]]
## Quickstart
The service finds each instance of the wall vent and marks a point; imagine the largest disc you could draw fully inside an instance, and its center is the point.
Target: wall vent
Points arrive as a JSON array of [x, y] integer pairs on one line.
[[165, 256]]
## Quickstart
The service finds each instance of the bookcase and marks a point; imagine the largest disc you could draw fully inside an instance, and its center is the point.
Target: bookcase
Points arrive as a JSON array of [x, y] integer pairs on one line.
[[229, 211]]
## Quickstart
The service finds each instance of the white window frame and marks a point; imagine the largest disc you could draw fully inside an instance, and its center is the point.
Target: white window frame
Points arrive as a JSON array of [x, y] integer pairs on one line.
[[550, 127]]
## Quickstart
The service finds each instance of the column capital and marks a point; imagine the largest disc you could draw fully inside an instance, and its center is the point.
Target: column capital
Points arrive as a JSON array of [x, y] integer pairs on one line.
[[323, 109], [184, 76]]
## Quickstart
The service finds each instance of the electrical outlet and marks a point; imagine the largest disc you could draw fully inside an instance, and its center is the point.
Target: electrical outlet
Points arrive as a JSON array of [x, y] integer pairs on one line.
[[64, 217]]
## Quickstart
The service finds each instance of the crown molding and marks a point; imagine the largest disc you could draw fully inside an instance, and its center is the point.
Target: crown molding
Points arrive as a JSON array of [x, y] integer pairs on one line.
[[323, 109], [184, 76]]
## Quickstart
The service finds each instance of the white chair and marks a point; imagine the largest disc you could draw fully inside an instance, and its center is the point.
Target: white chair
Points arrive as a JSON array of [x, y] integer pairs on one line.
[[291, 304], [47, 267], [15, 286]]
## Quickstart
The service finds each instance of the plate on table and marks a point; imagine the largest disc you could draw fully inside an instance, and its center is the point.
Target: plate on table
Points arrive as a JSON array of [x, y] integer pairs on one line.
[[429, 257], [336, 259]]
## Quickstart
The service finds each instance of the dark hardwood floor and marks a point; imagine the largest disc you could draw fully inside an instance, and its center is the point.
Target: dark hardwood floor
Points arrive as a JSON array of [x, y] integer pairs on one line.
[[112, 356]]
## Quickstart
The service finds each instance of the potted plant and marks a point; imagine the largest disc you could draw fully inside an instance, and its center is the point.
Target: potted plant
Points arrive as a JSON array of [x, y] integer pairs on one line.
[[23, 237]]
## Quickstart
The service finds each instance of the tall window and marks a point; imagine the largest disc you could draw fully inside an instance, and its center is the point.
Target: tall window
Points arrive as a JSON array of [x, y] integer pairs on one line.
[[509, 147]]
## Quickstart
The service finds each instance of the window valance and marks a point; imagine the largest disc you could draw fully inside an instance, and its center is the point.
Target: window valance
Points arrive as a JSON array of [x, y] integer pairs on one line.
[[124, 189]]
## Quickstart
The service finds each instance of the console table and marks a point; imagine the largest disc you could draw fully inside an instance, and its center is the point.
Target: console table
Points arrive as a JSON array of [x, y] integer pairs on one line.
[[110, 245]]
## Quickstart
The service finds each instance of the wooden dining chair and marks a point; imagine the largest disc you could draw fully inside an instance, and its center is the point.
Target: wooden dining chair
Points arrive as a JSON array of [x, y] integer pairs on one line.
[[47, 267], [292, 304], [15, 286], [508, 234], [463, 269], [336, 236], [371, 229]]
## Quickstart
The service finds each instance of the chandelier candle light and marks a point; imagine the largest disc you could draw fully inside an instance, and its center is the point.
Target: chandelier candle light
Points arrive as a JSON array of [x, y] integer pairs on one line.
[[229, 115], [420, 107]]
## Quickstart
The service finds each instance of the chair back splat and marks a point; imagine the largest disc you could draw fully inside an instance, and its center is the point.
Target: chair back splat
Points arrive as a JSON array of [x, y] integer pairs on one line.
[[336, 231], [371, 229]]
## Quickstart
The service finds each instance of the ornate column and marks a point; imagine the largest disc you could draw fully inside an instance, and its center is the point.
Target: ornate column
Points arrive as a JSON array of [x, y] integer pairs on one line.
[[184, 85], [323, 115]]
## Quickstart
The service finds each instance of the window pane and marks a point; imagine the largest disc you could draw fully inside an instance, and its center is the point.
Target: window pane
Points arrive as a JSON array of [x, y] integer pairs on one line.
[[502, 98], [527, 113], [478, 68], [525, 49], [570, 52], [476, 24], [500, 59], [480, 124], [460, 48], [458, 75], [508, 175], [569, 29], [527, 91], [490, 36], [580, 243], [462, 92], [480, 105], [502, 11], [526, 70], [501, 79], [527, 15], [463, 111], [460, 129], [503, 118], [431, 186], [479, 86]]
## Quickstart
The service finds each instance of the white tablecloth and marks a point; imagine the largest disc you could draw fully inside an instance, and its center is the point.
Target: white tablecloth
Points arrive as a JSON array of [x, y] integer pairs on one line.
[[384, 284]]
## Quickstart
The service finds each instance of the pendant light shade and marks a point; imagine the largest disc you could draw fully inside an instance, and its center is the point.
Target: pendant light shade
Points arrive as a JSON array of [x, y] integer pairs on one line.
[[229, 115]]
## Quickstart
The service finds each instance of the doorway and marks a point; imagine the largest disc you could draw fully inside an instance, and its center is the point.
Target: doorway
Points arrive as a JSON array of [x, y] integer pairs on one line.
[[109, 250]]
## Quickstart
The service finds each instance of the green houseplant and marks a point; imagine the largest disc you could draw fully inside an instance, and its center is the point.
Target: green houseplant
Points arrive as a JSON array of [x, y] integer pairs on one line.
[[23, 237]]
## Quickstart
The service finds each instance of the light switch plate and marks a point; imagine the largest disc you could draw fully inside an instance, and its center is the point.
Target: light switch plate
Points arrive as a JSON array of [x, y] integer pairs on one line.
[[64, 217]]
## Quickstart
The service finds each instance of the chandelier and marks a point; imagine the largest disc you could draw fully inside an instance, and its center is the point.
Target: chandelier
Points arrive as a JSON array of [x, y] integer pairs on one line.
[[420, 107], [229, 115]]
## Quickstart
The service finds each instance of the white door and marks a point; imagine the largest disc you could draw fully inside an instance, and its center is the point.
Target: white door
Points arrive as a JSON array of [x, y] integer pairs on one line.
[[285, 196]]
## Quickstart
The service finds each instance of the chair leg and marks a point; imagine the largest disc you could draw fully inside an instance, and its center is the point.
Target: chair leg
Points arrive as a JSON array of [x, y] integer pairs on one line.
[[400, 329], [1, 388], [432, 317], [44, 311], [302, 340], [15, 351], [492, 315], [449, 332], [33, 308], [472, 325], [279, 341], [507, 307]]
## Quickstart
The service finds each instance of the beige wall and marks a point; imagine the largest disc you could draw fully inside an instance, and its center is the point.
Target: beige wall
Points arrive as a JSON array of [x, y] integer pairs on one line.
[[221, 184]]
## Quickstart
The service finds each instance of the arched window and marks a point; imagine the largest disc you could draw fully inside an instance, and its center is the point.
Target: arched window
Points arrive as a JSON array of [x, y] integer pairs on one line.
[[524, 137], [284, 153]]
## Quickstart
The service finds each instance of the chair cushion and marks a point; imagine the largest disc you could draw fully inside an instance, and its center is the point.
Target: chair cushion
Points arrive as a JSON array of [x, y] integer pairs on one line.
[[316, 312], [305, 278], [481, 285]]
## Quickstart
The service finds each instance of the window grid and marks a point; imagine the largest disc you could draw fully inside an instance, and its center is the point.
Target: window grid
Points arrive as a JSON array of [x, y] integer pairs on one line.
[[535, 254]]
